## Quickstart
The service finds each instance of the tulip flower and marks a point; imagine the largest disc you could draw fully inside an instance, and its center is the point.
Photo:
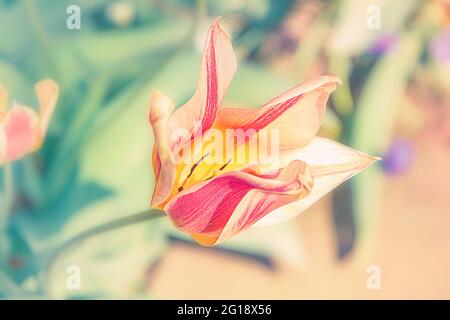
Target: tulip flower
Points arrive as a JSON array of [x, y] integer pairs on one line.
[[214, 200], [22, 130]]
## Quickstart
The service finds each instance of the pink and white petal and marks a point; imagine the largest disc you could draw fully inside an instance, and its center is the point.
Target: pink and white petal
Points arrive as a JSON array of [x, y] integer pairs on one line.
[[216, 72], [258, 204], [21, 129], [332, 164], [296, 113], [47, 92], [160, 109], [227, 204]]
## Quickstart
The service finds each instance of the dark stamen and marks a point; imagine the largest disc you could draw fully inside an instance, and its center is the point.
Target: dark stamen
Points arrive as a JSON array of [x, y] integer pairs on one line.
[[192, 171], [223, 167], [196, 164]]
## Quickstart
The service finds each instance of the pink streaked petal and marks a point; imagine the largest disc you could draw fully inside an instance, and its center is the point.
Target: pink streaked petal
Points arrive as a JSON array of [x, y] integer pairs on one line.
[[47, 92], [257, 204], [21, 129], [216, 72], [207, 208], [332, 164], [297, 113]]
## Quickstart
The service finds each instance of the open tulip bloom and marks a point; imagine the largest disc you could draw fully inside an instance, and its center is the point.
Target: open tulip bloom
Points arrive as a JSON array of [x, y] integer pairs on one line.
[[22, 130], [213, 182]]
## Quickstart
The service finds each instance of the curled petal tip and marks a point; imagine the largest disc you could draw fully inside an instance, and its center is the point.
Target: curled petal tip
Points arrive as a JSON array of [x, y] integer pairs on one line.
[[375, 159], [372, 159], [161, 106], [218, 25], [159, 98], [331, 78], [46, 82], [217, 20], [47, 92], [156, 95]]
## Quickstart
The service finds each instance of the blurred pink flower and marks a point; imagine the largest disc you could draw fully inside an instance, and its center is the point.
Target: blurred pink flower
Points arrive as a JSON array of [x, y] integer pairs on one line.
[[22, 130], [214, 201]]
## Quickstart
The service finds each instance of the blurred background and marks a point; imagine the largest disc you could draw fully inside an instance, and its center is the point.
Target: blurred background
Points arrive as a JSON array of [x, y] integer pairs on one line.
[[394, 60]]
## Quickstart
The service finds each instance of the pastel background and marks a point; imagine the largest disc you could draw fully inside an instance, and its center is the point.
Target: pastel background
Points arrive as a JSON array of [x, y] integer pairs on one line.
[[95, 163]]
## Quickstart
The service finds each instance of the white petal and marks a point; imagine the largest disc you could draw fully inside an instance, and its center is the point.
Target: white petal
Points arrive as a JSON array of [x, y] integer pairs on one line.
[[332, 164]]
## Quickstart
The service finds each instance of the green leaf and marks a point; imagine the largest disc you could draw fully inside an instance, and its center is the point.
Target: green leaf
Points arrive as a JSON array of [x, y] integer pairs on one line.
[[381, 96], [19, 88], [253, 85], [117, 154], [373, 127], [351, 35], [107, 48]]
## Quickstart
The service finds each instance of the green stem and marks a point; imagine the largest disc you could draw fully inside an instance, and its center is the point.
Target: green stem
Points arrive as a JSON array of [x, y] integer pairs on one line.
[[342, 99], [136, 218], [109, 226], [75, 135], [201, 7], [8, 195]]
